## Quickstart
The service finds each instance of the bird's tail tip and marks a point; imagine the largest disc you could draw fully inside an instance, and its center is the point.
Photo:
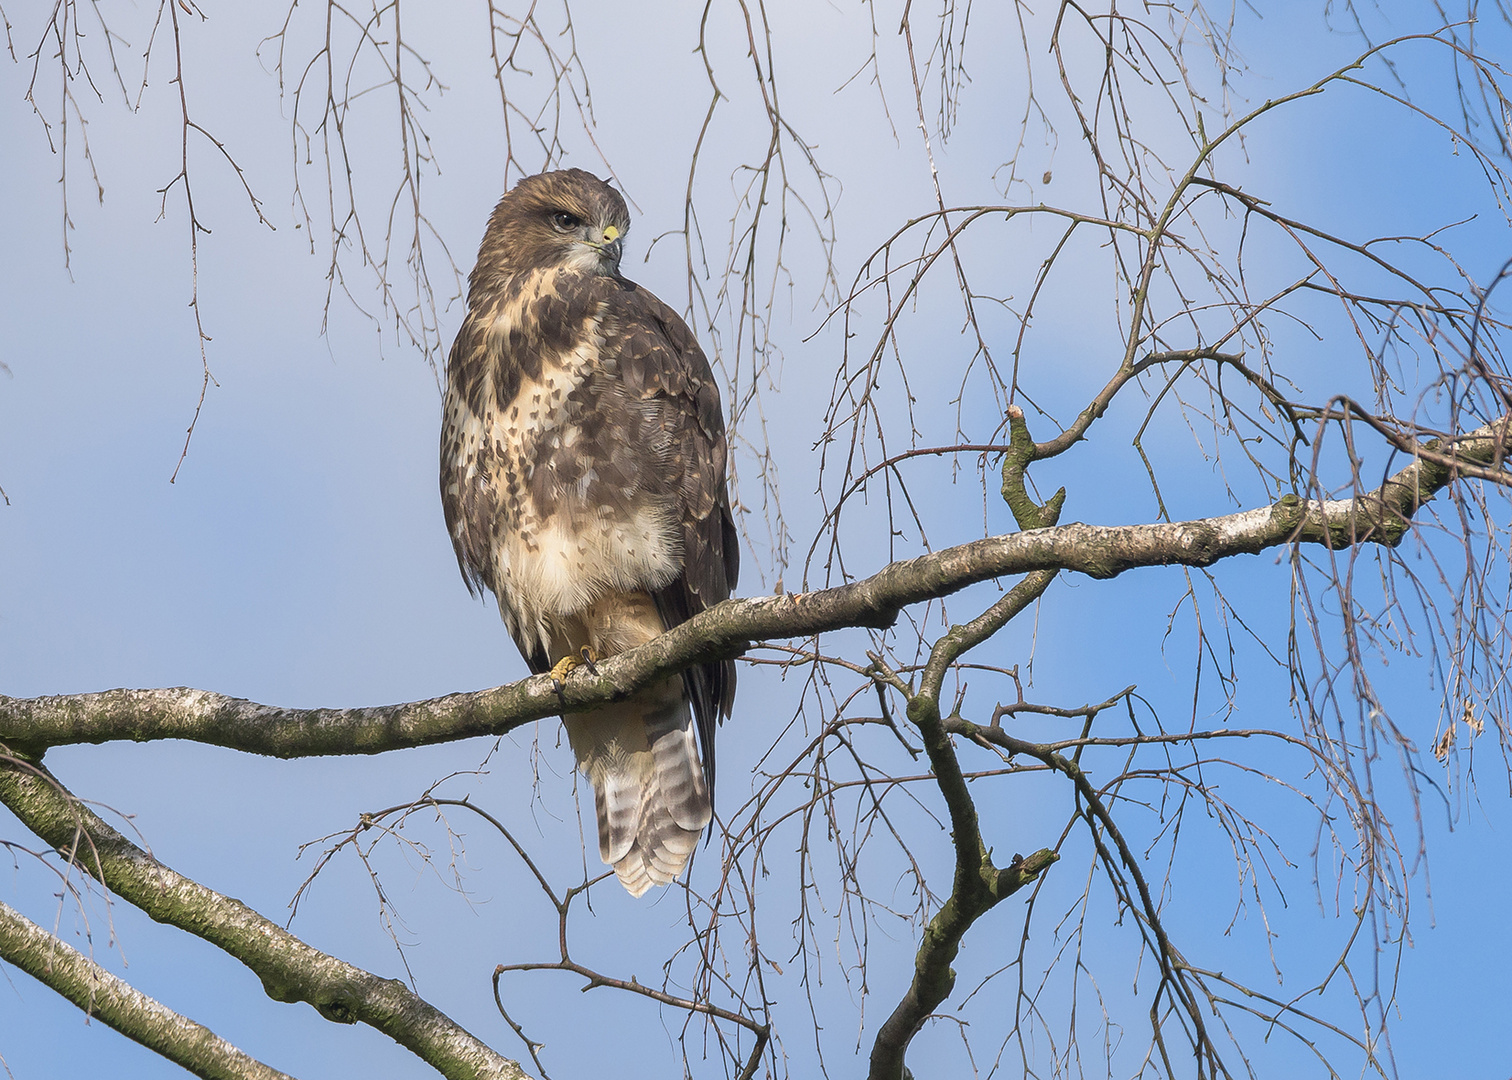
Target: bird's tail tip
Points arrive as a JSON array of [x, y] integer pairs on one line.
[[657, 859]]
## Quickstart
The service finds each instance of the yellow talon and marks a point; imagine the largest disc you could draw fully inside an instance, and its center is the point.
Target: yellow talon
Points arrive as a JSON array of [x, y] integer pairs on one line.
[[564, 667], [585, 657]]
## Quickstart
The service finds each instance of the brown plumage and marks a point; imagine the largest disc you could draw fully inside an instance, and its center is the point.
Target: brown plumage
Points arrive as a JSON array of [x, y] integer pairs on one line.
[[583, 479]]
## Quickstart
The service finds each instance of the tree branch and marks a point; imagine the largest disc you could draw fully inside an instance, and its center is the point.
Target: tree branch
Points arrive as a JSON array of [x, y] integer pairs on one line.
[[933, 976], [289, 969], [1382, 516], [978, 885], [1146, 911], [120, 1005]]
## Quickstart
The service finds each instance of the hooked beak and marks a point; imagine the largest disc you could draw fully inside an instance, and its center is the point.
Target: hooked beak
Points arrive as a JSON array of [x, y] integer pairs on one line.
[[611, 249]]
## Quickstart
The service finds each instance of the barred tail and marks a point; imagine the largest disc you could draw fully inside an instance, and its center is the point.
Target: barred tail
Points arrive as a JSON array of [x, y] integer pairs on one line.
[[649, 796]]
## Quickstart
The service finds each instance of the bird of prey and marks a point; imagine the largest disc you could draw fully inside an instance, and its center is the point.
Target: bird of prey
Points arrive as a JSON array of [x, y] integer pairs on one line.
[[583, 479]]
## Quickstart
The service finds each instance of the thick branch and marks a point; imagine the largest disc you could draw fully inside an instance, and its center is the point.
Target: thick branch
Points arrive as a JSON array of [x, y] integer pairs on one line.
[[1382, 516], [120, 1005], [978, 886], [289, 969], [933, 976], [924, 712]]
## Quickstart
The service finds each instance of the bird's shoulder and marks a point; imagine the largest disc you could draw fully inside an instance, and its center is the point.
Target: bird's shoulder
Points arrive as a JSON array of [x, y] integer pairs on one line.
[[655, 354]]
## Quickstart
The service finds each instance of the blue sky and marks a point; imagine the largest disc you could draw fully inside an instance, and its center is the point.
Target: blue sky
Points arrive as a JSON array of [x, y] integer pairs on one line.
[[300, 557]]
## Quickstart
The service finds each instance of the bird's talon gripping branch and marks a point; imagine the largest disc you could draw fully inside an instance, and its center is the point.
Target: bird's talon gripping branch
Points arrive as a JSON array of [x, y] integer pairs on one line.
[[585, 657], [563, 668], [559, 672]]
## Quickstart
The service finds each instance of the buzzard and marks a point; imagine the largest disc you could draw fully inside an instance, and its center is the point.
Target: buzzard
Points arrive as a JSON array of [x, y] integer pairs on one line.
[[583, 479]]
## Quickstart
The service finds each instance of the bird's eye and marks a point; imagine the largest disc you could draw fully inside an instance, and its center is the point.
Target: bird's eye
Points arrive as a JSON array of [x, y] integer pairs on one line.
[[564, 221]]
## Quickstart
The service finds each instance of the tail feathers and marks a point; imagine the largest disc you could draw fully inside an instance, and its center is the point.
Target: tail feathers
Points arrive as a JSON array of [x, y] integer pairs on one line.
[[649, 796], [616, 805], [676, 770]]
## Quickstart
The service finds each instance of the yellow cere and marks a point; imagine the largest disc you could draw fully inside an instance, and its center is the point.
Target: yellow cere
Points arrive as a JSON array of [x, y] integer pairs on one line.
[[611, 234]]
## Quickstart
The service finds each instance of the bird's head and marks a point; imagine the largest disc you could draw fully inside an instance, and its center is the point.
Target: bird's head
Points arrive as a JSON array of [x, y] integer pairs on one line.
[[570, 220]]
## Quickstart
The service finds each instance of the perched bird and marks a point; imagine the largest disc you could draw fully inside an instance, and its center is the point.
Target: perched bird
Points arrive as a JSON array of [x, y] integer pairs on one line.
[[583, 479]]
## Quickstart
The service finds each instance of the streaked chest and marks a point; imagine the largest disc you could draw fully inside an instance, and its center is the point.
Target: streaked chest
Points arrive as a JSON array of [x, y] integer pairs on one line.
[[544, 451]]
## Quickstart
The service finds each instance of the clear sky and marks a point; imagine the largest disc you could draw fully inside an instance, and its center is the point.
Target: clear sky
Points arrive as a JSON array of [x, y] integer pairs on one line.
[[300, 557]]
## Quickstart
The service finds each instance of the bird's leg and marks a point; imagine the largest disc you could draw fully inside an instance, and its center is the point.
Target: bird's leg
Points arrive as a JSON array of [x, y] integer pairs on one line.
[[587, 657]]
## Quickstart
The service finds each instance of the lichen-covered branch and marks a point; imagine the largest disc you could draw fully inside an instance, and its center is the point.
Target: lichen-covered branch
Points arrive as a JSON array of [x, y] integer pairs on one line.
[[117, 1003], [1382, 516], [933, 976], [289, 969]]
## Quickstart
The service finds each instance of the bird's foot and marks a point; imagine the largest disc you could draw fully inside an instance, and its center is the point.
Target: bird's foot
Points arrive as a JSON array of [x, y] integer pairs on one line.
[[585, 657]]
